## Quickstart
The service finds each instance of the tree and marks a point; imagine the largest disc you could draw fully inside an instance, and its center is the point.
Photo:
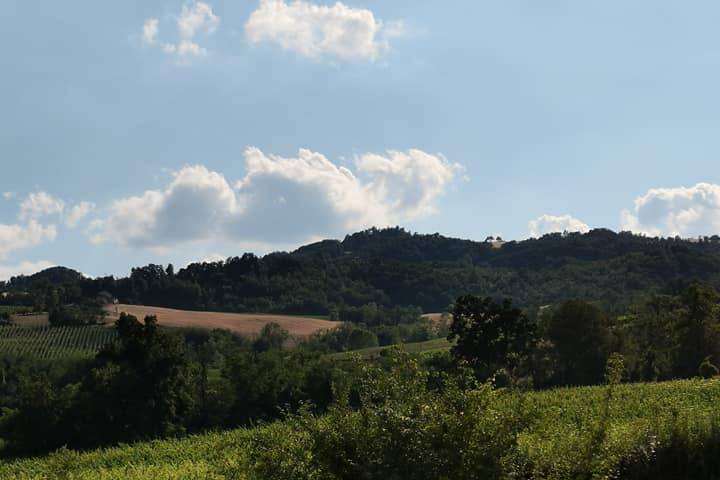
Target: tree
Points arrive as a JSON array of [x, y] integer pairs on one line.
[[140, 387], [272, 337], [579, 330], [699, 335], [490, 335]]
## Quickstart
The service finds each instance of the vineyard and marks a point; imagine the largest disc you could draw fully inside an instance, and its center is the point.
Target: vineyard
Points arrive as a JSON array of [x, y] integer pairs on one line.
[[50, 343], [648, 431]]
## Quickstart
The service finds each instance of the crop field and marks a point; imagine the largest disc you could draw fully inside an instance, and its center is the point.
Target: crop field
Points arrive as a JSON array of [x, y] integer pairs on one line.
[[50, 343], [641, 419], [430, 346], [241, 323]]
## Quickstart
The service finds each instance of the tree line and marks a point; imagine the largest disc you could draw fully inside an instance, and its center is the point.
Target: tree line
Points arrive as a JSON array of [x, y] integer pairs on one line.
[[369, 275]]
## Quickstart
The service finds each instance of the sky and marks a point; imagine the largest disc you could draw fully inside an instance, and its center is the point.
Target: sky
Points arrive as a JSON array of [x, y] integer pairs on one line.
[[177, 131]]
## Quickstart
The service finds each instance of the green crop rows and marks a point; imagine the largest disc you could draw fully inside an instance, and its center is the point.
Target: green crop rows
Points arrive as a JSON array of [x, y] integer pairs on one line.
[[641, 419], [50, 343]]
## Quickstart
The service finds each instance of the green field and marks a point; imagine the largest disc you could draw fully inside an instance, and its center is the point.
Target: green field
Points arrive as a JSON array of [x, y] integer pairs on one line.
[[51, 343], [430, 346], [640, 421]]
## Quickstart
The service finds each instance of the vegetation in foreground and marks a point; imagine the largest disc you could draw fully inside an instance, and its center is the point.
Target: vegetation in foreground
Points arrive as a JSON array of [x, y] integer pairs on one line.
[[399, 430]]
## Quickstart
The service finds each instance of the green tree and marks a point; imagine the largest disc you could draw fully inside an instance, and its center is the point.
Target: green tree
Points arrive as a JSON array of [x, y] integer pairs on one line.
[[140, 387], [579, 330], [272, 337], [699, 335], [490, 335]]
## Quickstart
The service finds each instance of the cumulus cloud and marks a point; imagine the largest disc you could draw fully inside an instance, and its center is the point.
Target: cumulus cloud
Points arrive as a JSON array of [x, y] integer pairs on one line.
[[23, 268], [195, 18], [8, 195], [280, 200], [550, 224], [150, 30], [684, 211], [17, 237], [40, 204], [77, 213], [319, 30], [213, 258]]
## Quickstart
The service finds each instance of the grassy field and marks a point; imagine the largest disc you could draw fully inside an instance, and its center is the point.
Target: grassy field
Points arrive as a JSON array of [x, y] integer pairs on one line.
[[640, 420], [430, 346], [240, 323], [50, 343]]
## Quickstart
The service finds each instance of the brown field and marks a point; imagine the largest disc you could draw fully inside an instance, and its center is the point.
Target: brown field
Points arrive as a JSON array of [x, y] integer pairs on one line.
[[434, 317], [241, 323], [30, 320]]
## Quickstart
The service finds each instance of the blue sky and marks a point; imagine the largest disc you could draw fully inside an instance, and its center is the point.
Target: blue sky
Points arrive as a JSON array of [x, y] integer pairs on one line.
[[170, 131]]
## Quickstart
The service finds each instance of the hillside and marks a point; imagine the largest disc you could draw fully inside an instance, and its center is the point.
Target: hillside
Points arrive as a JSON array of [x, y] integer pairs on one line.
[[243, 324], [369, 273], [646, 423]]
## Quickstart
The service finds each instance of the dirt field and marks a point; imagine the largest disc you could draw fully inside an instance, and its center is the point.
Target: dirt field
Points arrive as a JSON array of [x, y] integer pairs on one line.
[[242, 323], [434, 317], [30, 320]]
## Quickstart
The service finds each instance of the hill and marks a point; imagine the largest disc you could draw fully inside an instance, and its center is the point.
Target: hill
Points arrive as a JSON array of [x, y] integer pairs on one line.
[[649, 431], [370, 273]]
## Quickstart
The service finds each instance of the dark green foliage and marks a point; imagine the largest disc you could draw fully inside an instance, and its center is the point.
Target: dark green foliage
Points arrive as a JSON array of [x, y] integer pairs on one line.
[[707, 369], [139, 387], [581, 337], [75, 315], [271, 337], [388, 276], [488, 335], [397, 430]]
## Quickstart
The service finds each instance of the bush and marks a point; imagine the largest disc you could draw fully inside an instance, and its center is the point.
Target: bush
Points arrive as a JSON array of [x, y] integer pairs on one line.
[[398, 430]]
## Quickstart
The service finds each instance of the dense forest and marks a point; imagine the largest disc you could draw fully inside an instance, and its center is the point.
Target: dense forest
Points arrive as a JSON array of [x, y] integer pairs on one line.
[[369, 272]]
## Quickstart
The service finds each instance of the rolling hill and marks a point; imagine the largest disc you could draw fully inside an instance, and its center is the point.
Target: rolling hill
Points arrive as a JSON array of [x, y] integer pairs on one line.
[[241, 323]]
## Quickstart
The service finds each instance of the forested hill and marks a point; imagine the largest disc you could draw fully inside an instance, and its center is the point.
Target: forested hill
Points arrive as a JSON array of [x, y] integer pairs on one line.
[[389, 268]]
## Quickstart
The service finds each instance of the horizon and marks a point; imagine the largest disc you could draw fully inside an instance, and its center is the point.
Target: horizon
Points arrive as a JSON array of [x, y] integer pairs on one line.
[[177, 131], [409, 232]]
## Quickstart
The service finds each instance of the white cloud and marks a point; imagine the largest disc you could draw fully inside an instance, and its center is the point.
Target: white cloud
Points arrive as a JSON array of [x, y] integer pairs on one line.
[[280, 200], [8, 195], [184, 49], [150, 30], [40, 204], [194, 19], [213, 258], [198, 17], [550, 224], [319, 30], [24, 268], [77, 213], [684, 211], [17, 237]]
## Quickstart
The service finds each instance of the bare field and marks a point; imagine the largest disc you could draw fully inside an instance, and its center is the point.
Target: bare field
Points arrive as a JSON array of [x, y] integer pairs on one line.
[[30, 320], [241, 323], [434, 317]]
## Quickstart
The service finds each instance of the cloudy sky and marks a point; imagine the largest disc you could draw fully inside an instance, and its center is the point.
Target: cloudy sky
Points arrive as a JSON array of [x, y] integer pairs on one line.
[[171, 131]]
